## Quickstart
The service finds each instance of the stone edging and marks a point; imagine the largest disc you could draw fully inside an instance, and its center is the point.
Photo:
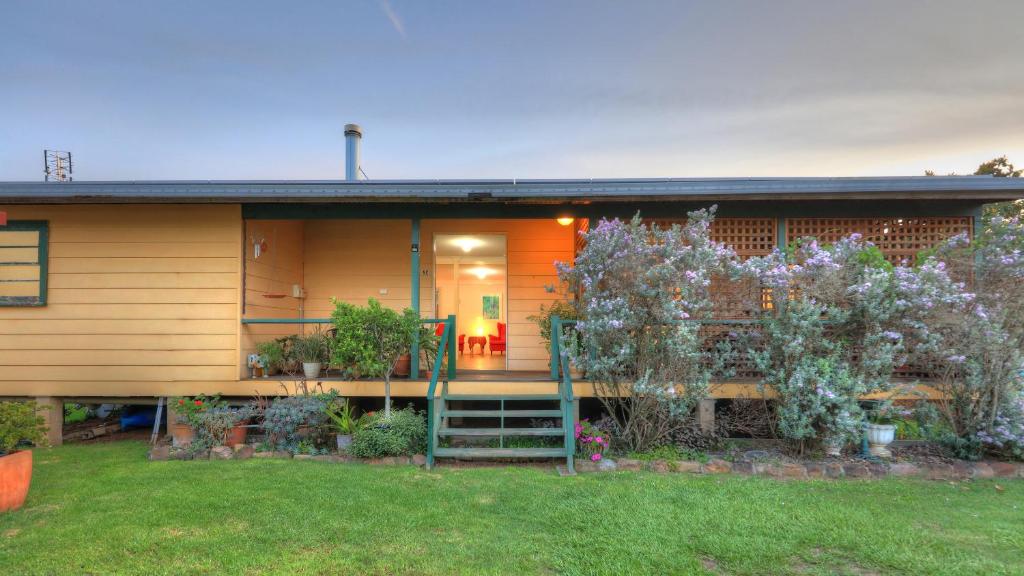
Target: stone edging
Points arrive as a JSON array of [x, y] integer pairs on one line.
[[960, 470], [245, 452]]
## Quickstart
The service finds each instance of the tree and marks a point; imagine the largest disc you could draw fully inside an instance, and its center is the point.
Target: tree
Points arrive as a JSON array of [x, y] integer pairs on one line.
[[998, 167], [371, 338], [1001, 168]]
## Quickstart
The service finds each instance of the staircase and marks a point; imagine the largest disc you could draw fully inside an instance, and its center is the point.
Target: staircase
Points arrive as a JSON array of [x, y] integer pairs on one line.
[[454, 426], [450, 424]]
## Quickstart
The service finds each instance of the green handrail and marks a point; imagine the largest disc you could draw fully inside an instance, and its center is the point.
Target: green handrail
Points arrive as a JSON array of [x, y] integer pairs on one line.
[[443, 346], [559, 358]]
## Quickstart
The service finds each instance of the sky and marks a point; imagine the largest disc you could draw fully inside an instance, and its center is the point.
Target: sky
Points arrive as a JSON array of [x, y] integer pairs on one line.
[[149, 90]]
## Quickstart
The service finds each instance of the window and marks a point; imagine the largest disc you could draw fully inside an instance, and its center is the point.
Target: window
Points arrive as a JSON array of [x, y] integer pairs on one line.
[[23, 257]]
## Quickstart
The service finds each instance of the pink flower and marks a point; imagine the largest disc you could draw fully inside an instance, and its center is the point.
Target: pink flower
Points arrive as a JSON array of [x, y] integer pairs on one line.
[[599, 440], [595, 457]]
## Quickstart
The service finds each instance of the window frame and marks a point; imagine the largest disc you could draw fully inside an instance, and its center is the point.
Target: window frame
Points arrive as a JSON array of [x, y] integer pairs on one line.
[[43, 228]]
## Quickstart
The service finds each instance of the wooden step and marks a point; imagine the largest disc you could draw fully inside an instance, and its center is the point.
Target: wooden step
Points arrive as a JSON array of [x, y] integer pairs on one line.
[[499, 452], [507, 397], [499, 413], [501, 432]]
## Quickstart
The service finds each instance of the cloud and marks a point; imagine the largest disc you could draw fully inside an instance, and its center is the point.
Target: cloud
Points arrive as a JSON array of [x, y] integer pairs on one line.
[[396, 22]]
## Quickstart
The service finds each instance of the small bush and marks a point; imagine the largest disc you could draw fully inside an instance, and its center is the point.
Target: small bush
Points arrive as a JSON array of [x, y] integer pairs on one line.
[[283, 419], [20, 422], [402, 434], [212, 426]]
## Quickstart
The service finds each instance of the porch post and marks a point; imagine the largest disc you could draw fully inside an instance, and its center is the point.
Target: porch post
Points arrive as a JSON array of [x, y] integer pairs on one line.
[[53, 412], [414, 360], [780, 233]]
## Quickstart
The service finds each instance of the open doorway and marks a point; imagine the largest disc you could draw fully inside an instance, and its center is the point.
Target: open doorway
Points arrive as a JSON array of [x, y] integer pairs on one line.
[[471, 281]]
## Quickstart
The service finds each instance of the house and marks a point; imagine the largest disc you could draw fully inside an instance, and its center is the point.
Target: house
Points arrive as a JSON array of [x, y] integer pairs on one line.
[[137, 290]]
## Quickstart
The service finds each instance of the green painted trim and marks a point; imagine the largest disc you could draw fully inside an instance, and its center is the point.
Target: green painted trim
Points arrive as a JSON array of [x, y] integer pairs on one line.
[[286, 320], [452, 354], [626, 209], [780, 233], [43, 261], [414, 355], [556, 356]]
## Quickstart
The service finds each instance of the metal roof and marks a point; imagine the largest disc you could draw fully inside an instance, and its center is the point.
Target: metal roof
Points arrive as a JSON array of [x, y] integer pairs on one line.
[[984, 188]]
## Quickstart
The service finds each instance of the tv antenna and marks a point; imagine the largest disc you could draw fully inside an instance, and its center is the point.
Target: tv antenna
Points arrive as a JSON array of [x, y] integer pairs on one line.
[[57, 166]]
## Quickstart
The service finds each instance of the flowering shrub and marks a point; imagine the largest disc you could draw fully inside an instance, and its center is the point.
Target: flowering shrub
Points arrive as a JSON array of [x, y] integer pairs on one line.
[[591, 441], [641, 288], [974, 340], [187, 409], [830, 336]]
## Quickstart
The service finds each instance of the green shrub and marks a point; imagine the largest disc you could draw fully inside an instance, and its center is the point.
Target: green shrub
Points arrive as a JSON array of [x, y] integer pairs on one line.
[[273, 354], [282, 420], [403, 433], [20, 422], [75, 413], [212, 426]]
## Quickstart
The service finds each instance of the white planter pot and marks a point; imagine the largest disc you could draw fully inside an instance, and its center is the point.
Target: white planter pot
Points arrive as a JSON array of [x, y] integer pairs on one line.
[[311, 370], [879, 438], [344, 441]]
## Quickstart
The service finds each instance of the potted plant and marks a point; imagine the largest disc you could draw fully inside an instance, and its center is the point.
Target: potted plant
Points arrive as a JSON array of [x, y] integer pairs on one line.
[[186, 410], [20, 424], [342, 415], [562, 309], [221, 425], [372, 338], [881, 429], [312, 351], [272, 356]]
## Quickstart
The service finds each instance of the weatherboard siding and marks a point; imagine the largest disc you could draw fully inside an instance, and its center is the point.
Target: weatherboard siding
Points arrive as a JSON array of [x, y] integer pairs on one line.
[[142, 300], [274, 273]]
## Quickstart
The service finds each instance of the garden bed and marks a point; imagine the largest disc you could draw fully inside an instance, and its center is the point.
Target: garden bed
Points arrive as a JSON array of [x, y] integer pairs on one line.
[[768, 463]]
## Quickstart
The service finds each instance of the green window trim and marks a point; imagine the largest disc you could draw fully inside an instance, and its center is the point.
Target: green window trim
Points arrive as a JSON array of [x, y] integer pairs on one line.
[[42, 260]]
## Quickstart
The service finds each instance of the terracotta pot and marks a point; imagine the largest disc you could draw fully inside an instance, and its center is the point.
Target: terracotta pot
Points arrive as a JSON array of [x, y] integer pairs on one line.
[[236, 435], [181, 434], [403, 366], [15, 477]]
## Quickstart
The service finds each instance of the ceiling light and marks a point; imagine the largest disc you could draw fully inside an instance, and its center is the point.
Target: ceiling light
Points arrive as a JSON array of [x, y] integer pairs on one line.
[[564, 220], [481, 272], [467, 244]]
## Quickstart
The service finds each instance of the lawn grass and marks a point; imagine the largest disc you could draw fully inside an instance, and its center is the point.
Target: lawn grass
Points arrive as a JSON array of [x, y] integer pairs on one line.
[[104, 509]]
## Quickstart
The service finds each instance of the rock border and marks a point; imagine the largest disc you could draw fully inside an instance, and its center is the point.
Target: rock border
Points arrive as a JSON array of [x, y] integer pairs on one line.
[[247, 451], [960, 470], [863, 469]]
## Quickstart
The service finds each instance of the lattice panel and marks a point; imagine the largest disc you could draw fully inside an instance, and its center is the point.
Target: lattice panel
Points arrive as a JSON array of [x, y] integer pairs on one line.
[[900, 239], [747, 236], [580, 227]]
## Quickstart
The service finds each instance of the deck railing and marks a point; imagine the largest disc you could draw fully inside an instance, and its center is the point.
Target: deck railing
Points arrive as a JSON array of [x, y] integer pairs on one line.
[[445, 345], [734, 331], [413, 374]]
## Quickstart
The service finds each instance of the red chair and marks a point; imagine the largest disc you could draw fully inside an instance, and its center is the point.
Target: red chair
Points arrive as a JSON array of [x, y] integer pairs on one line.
[[439, 331], [497, 342]]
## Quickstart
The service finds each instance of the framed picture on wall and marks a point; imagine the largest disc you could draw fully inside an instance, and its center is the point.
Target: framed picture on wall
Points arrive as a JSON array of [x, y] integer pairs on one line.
[[492, 307]]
